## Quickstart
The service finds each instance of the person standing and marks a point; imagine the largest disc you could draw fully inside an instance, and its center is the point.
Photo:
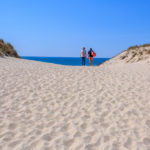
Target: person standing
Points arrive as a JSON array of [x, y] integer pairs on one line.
[[91, 54], [83, 56]]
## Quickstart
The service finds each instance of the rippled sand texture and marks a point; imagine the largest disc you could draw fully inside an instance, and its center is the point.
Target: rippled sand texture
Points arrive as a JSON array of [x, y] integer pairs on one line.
[[52, 107]]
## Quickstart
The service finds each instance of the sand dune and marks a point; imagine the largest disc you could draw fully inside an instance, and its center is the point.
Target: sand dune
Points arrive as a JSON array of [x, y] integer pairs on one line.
[[52, 107], [134, 54]]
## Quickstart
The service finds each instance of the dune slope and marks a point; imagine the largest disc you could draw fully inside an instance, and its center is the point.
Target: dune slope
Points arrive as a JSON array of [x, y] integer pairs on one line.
[[52, 107], [134, 54]]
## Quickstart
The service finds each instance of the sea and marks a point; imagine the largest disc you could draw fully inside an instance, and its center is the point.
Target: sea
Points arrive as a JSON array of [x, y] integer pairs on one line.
[[70, 61]]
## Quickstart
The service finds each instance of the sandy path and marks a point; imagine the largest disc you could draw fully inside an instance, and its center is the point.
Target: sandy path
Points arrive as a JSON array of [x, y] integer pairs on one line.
[[46, 106]]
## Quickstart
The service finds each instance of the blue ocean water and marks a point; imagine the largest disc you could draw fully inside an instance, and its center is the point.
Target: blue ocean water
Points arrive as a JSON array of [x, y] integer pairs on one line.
[[71, 61]]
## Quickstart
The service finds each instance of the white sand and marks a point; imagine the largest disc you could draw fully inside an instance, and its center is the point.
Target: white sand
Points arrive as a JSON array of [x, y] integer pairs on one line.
[[46, 107]]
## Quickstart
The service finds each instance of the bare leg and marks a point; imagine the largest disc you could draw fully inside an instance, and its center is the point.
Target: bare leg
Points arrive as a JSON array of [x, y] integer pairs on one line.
[[90, 62]]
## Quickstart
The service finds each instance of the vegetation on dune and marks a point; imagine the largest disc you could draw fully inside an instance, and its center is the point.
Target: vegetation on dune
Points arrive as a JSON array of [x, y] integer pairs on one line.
[[138, 46], [136, 53], [133, 54], [6, 49]]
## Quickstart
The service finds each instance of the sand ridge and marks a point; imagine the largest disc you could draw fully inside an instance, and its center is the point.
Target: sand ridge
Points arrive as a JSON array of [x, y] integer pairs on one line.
[[46, 106]]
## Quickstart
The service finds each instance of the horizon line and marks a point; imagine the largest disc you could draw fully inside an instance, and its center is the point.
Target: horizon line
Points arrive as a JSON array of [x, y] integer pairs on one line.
[[62, 56]]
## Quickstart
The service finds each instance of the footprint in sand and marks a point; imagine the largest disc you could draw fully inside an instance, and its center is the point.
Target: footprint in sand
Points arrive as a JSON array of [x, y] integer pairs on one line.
[[146, 141], [46, 137], [14, 144], [115, 146], [90, 147], [83, 126], [77, 134], [87, 139], [128, 143], [12, 126], [8, 136], [106, 139], [148, 123], [69, 142]]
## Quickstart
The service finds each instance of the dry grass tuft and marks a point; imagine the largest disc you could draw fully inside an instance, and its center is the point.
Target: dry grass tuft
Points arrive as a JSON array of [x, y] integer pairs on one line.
[[146, 45], [123, 57], [132, 47], [140, 53], [148, 52], [138, 46]]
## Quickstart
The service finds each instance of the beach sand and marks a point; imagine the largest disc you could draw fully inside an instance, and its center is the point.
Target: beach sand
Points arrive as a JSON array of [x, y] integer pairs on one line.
[[52, 107]]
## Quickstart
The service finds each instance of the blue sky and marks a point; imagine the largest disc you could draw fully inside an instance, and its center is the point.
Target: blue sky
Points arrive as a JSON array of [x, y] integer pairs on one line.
[[63, 27]]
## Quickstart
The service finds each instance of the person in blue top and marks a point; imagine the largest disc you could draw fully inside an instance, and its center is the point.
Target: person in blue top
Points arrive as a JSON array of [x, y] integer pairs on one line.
[[83, 56]]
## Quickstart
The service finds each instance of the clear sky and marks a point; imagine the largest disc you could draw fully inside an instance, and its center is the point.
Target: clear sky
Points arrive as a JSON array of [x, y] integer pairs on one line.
[[63, 27]]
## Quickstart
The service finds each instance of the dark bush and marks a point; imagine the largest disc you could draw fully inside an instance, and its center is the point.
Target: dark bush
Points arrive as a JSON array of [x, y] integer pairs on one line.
[[6, 49]]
